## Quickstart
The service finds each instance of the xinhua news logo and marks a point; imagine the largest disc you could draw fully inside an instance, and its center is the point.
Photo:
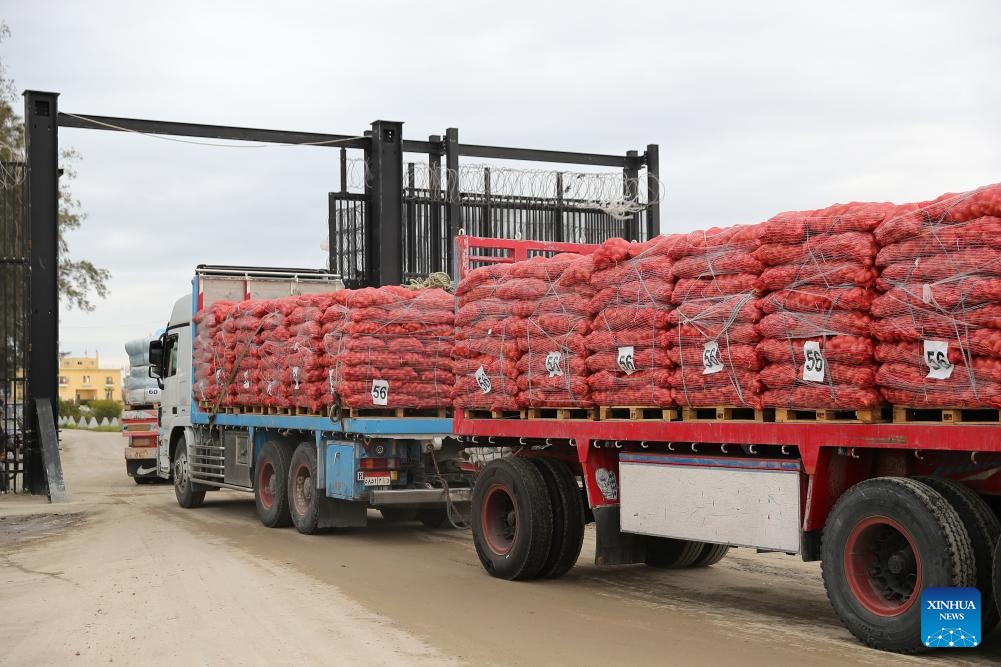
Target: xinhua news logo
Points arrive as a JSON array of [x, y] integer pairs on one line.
[[950, 617]]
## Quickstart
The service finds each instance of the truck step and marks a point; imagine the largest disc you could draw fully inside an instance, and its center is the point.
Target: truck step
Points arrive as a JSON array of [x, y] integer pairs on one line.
[[638, 413], [492, 414], [866, 416], [722, 413], [399, 413], [589, 414], [904, 415]]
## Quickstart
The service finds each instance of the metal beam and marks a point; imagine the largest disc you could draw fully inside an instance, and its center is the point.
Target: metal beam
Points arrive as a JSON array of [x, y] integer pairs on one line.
[[538, 155], [452, 184], [42, 157], [385, 254], [653, 190]]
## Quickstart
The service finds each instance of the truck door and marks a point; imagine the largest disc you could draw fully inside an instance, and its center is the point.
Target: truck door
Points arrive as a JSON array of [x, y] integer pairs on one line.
[[169, 397]]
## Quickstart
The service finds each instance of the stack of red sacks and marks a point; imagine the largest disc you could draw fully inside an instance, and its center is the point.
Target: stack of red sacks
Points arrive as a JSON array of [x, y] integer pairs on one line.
[[485, 355], [628, 345], [209, 353], [302, 371], [550, 299], [712, 333], [938, 321], [816, 292], [390, 347]]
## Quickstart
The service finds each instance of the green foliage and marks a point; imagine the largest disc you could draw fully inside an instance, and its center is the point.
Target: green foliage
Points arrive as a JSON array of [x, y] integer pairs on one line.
[[102, 409], [69, 409], [78, 279]]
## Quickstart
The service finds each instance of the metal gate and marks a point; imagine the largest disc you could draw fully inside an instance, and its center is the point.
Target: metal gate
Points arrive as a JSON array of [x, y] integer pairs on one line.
[[14, 325]]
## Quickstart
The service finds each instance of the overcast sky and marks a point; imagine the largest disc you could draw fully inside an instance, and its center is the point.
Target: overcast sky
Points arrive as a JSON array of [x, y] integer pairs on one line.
[[757, 107]]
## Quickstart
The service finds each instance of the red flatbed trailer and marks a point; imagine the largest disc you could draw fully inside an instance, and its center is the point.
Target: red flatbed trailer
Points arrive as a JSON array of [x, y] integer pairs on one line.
[[900, 506]]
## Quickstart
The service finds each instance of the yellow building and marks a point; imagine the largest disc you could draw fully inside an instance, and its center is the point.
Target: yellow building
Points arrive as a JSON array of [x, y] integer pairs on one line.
[[83, 379]]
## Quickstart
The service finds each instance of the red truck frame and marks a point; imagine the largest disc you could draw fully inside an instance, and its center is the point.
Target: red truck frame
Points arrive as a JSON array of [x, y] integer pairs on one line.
[[879, 503]]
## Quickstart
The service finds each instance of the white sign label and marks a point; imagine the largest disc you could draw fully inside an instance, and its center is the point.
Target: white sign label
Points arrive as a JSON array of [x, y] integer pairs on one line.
[[377, 480], [711, 362], [937, 359], [330, 380], [554, 364], [627, 359], [814, 364], [295, 376], [483, 380], [380, 392]]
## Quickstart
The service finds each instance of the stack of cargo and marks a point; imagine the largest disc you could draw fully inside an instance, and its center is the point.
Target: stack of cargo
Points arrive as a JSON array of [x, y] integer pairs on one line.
[[938, 321], [485, 356], [141, 388], [388, 347], [302, 372], [713, 334], [628, 345], [817, 289], [209, 352]]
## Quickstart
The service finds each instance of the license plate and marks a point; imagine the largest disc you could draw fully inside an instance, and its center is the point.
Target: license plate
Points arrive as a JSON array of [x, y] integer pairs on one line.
[[377, 480]]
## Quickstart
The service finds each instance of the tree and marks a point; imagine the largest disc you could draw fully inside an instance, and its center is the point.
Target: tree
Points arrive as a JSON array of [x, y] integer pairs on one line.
[[79, 280]]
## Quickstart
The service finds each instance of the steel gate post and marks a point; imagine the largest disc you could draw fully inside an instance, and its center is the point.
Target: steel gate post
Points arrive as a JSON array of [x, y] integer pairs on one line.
[[652, 190], [452, 182], [438, 260], [385, 253], [42, 178], [630, 190]]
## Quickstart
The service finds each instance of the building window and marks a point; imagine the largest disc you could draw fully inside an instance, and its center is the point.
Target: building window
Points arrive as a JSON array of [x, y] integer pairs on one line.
[[63, 379], [86, 379], [109, 380], [108, 395]]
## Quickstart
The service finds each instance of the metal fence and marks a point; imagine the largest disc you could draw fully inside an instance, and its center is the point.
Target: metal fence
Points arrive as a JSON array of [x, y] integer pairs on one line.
[[426, 225], [14, 323]]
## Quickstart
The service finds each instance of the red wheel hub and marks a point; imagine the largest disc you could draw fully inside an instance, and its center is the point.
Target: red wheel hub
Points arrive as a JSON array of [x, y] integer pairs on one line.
[[882, 566], [499, 518], [266, 483]]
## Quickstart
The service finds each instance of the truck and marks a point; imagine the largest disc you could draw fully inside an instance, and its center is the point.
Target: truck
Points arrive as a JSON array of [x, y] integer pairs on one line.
[[889, 509], [140, 416], [312, 471]]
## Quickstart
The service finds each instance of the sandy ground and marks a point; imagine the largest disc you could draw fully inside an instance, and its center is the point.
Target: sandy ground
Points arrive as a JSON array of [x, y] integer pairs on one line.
[[122, 574]]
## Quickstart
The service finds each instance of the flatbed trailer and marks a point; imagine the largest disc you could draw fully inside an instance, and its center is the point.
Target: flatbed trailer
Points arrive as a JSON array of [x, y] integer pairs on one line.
[[313, 471], [889, 508]]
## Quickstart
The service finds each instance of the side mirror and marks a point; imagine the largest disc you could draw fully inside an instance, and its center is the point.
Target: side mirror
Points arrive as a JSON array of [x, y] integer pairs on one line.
[[155, 358]]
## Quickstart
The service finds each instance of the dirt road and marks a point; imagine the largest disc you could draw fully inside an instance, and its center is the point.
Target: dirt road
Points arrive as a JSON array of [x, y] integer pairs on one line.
[[122, 574]]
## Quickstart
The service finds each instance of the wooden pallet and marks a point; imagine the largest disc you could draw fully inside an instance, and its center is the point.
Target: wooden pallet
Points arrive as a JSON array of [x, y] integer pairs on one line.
[[280, 410], [491, 414], [866, 416], [301, 411], [589, 414], [637, 413], [905, 415], [722, 413], [399, 413]]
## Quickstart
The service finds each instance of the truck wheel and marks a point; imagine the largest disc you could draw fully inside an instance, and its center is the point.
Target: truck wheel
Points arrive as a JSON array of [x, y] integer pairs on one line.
[[997, 573], [271, 489], [984, 528], [886, 540], [710, 555], [672, 554], [398, 514], [512, 519], [568, 517], [433, 517], [184, 487], [303, 496]]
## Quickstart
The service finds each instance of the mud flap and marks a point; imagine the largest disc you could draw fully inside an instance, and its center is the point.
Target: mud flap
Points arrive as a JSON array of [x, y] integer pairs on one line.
[[613, 547], [335, 513]]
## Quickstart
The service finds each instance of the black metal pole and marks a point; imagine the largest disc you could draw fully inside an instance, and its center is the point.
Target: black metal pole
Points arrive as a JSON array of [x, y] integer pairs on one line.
[[42, 157], [630, 190], [386, 252], [653, 190], [439, 261], [452, 181], [558, 215], [344, 170]]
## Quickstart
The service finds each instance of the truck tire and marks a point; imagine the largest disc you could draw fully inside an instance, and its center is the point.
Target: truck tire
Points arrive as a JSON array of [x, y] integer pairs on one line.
[[672, 554], [885, 541], [187, 495], [271, 485], [512, 519], [997, 573], [568, 517], [398, 514], [984, 529], [303, 496], [433, 517], [710, 555]]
